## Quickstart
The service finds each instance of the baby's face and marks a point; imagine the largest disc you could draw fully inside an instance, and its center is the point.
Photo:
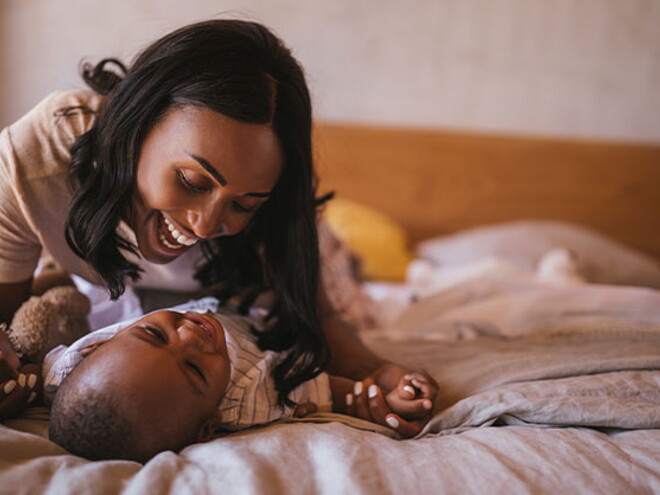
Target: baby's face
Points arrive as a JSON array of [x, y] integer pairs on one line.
[[171, 369]]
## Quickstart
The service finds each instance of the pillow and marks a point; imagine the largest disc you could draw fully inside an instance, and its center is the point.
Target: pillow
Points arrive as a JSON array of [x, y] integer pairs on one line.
[[599, 259], [378, 241]]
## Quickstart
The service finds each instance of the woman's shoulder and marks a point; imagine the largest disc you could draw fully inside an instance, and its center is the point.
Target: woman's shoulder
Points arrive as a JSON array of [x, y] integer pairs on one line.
[[42, 138]]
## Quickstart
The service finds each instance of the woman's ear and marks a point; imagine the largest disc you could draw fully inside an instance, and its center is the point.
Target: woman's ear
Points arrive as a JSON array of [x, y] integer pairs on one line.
[[207, 431]]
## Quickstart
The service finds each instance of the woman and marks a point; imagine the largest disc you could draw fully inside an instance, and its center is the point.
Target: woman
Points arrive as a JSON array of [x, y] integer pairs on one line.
[[193, 167]]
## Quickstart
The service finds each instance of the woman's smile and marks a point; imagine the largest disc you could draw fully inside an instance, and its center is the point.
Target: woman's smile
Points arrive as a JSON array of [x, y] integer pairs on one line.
[[163, 246], [170, 236]]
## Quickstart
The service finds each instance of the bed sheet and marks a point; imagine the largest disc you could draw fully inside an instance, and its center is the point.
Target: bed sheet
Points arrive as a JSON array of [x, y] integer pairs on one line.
[[533, 398]]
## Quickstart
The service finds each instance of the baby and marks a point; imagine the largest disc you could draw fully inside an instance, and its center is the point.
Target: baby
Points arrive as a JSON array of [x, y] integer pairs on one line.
[[175, 377]]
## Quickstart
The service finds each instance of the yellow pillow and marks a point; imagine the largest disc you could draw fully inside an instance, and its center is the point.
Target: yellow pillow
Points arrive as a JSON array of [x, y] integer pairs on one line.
[[379, 242]]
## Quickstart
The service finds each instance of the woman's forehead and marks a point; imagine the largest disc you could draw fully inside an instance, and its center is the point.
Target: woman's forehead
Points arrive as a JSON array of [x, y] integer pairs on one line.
[[240, 151]]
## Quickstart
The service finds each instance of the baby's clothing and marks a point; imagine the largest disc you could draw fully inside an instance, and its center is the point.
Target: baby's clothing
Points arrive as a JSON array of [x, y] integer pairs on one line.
[[250, 398]]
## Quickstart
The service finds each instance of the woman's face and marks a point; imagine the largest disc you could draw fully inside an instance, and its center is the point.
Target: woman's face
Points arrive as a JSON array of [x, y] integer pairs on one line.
[[200, 175]]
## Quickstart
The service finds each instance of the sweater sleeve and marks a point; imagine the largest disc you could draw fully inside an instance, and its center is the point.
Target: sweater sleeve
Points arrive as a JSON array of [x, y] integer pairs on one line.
[[35, 188]]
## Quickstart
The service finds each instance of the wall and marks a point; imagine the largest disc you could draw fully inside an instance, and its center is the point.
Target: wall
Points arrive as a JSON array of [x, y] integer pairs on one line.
[[582, 68]]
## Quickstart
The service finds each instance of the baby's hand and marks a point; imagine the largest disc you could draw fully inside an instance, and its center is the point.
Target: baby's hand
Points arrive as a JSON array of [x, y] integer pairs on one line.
[[412, 398]]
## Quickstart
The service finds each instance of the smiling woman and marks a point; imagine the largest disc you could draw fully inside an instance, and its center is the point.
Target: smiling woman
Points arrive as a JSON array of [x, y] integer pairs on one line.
[[193, 166], [200, 175]]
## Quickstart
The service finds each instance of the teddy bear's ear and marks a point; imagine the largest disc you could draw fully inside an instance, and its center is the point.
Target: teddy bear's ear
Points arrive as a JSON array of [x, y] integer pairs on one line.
[[28, 332], [57, 317], [68, 301], [50, 276]]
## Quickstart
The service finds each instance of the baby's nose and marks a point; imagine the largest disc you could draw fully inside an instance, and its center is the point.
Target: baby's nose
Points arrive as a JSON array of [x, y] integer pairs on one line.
[[192, 335]]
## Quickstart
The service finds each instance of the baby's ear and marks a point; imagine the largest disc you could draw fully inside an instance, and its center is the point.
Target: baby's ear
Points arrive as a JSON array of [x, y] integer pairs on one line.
[[86, 351], [210, 426]]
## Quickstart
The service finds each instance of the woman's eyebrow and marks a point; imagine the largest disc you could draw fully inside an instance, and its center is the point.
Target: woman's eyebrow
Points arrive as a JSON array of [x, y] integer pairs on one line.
[[135, 332], [208, 167], [220, 178]]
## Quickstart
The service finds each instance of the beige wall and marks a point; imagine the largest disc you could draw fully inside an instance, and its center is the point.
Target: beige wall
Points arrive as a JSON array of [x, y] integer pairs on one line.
[[585, 68]]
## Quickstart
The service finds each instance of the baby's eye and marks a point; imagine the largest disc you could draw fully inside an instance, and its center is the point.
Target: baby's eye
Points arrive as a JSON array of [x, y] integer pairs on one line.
[[156, 332], [195, 369]]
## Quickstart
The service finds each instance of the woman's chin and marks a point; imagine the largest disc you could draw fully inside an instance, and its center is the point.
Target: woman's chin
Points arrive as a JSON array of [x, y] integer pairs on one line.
[[157, 253]]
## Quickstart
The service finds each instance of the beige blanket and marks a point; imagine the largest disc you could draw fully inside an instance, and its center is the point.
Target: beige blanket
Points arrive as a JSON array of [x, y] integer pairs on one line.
[[571, 405]]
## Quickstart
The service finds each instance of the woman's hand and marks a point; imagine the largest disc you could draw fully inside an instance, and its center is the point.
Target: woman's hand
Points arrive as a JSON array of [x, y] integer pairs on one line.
[[404, 413], [19, 385], [9, 356]]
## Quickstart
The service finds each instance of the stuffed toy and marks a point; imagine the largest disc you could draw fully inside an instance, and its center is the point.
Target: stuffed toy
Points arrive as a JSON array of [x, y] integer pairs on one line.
[[55, 314]]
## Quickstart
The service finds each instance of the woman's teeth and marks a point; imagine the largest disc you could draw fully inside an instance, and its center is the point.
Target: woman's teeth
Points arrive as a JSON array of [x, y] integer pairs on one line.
[[181, 239]]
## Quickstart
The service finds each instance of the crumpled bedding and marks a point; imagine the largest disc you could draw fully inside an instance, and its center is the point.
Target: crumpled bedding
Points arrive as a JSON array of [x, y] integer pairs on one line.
[[563, 401]]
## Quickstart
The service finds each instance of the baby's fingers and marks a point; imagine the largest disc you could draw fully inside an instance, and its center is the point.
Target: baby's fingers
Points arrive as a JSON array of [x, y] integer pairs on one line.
[[424, 385], [414, 409]]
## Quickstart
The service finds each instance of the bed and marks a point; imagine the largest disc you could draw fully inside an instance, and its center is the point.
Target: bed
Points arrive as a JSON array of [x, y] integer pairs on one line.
[[548, 384]]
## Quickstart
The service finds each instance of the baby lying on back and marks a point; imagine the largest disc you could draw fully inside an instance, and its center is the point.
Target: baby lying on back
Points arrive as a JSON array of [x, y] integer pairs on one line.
[[179, 376]]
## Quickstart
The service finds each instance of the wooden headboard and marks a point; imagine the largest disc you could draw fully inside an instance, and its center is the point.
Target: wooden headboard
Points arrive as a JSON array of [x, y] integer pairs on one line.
[[441, 182]]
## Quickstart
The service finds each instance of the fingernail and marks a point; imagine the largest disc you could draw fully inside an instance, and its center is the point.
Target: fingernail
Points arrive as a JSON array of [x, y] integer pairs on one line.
[[357, 388], [373, 390], [9, 387], [409, 389], [427, 404], [349, 399], [393, 422], [33, 396], [21, 380], [31, 380]]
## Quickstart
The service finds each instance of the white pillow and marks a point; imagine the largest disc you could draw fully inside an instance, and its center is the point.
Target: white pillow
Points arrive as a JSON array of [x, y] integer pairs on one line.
[[600, 259]]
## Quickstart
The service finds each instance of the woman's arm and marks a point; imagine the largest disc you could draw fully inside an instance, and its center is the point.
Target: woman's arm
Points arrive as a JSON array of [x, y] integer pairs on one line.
[[352, 360], [12, 295]]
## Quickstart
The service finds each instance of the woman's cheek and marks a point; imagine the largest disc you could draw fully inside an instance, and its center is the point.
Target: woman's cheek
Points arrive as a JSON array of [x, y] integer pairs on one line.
[[236, 223]]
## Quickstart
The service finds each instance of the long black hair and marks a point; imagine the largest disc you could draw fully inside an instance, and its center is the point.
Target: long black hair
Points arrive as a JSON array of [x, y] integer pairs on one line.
[[243, 71]]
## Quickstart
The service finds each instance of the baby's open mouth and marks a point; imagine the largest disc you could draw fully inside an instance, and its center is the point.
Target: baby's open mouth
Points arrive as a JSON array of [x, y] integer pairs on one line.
[[205, 326]]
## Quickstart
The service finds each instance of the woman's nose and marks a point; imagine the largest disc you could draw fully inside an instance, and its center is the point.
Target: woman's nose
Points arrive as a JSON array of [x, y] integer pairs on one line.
[[207, 221]]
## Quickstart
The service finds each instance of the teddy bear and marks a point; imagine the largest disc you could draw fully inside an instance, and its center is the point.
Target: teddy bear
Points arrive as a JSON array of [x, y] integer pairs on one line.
[[55, 314]]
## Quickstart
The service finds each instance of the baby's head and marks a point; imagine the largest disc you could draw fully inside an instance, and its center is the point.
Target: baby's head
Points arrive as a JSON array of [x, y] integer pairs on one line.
[[154, 386]]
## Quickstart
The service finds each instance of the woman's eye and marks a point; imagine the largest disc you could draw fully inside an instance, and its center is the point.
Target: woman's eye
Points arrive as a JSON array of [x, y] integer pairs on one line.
[[195, 369], [189, 185], [155, 332], [242, 209]]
